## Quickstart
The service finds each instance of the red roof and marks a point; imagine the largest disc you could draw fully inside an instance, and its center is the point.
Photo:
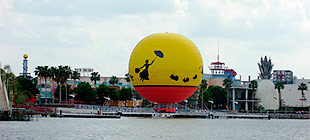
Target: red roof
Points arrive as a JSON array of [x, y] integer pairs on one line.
[[217, 63], [229, 70]]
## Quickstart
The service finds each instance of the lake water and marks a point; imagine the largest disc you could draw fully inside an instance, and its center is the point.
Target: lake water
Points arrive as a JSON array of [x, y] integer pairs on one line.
[[146, 128]]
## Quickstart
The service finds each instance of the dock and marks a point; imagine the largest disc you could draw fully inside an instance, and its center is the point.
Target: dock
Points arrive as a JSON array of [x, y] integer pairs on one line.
[[88, 116], [88, 113], [241, 116]]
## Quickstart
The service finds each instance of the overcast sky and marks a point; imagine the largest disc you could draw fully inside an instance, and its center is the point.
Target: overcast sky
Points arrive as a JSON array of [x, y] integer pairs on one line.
[[101, 34]]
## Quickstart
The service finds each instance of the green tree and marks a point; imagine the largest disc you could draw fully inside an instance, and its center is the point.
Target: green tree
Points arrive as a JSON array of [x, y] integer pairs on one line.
[[53, 71], [302, 87], [39, 73], [95, 76], [20, 98], [218, 94], [46, 74], [84, 92], [253, 87], [60, 78], [62, 74], [113, 80], [279, 86], [102, 91], [63, 90], [125, 94], [68, 73], [227, 84], [27, 87], [75, 76], [43, 72], [113, 94]]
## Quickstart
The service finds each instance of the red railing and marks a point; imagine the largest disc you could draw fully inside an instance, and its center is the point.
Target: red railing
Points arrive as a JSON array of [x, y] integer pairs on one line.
[[37, 109]]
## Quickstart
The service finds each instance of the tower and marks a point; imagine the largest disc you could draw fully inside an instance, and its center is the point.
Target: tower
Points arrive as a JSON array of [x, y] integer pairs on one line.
[[25, 67], [218, 67]]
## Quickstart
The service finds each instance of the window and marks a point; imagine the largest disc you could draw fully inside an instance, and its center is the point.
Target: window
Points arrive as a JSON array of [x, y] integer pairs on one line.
[[239, 95]]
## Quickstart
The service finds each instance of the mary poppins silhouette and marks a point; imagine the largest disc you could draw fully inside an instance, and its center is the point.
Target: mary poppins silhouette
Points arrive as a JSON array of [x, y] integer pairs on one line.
[[144, 75]]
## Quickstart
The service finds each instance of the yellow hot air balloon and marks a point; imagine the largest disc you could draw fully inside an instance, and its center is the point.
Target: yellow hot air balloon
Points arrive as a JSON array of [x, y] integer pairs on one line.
[[165, 68]]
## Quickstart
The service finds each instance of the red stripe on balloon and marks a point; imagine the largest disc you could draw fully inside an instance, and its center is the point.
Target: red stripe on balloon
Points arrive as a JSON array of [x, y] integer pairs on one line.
[[166, 94]]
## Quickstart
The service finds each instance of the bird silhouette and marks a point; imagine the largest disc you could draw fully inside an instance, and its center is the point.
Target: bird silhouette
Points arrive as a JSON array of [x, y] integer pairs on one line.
[[195, 77], [185, 79], [176, 78]]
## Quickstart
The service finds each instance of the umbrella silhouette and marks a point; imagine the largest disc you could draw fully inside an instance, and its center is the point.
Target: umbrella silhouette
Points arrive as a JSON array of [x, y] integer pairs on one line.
[[159, 54]]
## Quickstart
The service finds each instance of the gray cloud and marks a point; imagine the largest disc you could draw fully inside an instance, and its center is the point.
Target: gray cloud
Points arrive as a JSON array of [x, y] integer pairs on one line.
[[94, 8], [102, 34]]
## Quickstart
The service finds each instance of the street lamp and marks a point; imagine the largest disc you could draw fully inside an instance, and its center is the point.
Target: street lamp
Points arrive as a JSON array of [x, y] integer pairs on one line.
[[211, 105], [237, 104], [274, 111], [185, 105], [107, 98]]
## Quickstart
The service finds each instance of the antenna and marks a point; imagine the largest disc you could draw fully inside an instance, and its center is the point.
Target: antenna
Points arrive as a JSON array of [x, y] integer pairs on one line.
[[218, 51]]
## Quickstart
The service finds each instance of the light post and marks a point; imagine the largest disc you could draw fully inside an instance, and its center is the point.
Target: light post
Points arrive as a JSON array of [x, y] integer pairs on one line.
[[274, 111], [236, 105], [211, 105], [107, 98], [185, 105], [98, 101]]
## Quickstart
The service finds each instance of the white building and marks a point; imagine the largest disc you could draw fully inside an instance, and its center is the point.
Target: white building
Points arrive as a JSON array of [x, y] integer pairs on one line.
[[291, 95], [121, 81]]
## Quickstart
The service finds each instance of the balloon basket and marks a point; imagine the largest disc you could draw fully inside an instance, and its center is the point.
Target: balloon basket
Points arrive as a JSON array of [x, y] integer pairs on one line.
[[164, 108]]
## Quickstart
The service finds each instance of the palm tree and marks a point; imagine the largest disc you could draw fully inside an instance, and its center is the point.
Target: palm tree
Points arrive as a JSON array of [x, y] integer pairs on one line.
[[279, 86], [75, 76], [113, 80], [39, 72], [227, 84], [302, 87], [45, 74], [67, 75], [95, 76], [53, 71], [253, 86], [59, 78]]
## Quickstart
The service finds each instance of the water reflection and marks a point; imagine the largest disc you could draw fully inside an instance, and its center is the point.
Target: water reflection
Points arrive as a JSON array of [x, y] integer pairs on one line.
[[145, 128]]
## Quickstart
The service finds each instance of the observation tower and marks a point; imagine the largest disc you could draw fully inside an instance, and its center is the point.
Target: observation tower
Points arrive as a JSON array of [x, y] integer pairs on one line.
[[25, 73]]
